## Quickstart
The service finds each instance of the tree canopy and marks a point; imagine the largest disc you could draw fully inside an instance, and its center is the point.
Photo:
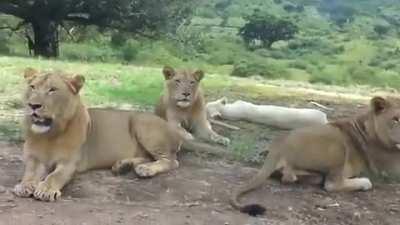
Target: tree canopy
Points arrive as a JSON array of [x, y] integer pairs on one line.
[[138, 16]]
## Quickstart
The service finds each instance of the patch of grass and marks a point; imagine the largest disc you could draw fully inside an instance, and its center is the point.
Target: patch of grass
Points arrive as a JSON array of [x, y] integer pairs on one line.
[[244, 146], [10, 131]]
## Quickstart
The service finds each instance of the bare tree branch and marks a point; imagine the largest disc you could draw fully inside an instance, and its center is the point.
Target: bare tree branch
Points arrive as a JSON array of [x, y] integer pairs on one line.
[[13, 29], [68, 31]]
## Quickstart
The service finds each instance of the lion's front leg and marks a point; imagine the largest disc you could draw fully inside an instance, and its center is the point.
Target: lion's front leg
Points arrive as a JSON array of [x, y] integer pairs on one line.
[[182, 131], [160, 166], [203, 130], [50, 188], [34, 172]]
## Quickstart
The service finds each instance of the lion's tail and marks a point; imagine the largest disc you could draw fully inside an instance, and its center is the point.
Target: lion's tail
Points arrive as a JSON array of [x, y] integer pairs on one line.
[[267, 169]]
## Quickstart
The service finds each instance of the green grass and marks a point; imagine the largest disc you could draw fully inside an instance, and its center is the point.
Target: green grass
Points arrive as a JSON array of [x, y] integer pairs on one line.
[[129, 86], [105, 82]]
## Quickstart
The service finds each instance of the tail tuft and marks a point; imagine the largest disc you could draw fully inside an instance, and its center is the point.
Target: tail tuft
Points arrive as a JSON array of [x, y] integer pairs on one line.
[[253, 209]]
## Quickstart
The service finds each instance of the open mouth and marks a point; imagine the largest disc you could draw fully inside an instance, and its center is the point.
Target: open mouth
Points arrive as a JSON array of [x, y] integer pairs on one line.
[[40, 124]]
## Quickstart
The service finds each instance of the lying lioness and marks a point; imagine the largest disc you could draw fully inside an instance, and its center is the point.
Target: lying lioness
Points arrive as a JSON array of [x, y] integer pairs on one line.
[[63, 137], [340, 151], [183, 105]]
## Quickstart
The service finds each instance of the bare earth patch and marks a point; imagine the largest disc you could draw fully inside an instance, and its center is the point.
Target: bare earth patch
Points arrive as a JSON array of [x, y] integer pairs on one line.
[[194, 194]]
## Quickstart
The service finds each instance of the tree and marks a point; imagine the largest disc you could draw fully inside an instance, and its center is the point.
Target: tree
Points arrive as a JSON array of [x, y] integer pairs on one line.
[[267, 29], [47, 16]]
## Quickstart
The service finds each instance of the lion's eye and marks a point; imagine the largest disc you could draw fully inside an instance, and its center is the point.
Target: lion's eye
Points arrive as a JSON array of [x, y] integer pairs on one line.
[[177, 81], [192, 82], [52, 90], [396, 119], [32, 86]]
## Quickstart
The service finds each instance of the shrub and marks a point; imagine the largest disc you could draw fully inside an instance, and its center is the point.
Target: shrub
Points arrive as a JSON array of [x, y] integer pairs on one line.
[[118, 39], [298, 64], [90, 51], [266, 28], [330, 74], [4, 48], [262, 68], [221, 57], [290, 7], [130, 50], [381, 29], [338, 11]]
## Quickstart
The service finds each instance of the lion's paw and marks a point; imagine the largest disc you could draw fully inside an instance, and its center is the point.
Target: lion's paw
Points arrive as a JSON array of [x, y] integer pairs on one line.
[[365, 184], [144, 170], [45, 193], [221, 140], [24, 190], [121, 168]]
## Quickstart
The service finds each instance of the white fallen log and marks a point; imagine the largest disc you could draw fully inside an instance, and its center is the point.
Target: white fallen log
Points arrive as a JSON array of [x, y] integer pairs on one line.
[[277, 116], [223, 124]]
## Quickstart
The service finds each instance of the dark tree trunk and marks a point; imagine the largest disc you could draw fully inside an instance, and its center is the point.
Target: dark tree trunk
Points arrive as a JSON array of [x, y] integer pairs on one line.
[[45, 38]]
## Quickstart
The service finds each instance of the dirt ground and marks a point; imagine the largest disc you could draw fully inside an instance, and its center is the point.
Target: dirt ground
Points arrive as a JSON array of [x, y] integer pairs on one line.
[[194, 194]]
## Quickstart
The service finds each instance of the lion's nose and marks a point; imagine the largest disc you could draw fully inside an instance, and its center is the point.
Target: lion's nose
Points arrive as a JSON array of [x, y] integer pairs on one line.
[[35, 106], [186, 94]]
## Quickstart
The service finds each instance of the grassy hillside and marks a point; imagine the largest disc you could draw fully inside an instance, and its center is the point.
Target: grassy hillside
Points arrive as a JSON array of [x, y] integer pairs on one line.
[[128, 86], [338, 42]]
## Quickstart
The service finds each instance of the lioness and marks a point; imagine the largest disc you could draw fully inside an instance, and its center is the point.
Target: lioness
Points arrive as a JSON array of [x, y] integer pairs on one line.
[[182, 104], [340, 151], [63, 137]]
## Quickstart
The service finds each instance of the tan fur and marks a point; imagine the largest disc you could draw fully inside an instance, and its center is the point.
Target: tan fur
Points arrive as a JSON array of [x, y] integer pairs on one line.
[[79, 139], [183, 105], [340, 151]]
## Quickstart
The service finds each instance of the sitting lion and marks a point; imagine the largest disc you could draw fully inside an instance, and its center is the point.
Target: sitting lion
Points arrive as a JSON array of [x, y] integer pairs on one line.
[[339, 151], [62, 137], [183, 105]]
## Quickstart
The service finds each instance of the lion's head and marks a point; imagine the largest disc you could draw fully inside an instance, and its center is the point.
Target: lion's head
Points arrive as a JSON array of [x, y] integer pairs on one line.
[[51, 100], [182, 85], [385, 121]]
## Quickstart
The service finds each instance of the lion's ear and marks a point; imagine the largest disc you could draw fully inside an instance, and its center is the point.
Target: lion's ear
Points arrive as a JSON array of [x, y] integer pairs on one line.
[[76, 83], [168, 72], [198, 75], [30, 73], [379, 104]]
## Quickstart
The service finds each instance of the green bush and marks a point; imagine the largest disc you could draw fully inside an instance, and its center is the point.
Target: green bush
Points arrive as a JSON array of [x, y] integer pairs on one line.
[[90, 52], [298, 64], [4, 48], [130, 50], [221, 57], [265, 69], [330, 74], [381, 29], [158, 53], [118, 39]]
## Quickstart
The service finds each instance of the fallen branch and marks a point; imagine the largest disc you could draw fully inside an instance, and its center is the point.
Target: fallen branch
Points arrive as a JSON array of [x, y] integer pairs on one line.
[[223, 124], [321, 106]]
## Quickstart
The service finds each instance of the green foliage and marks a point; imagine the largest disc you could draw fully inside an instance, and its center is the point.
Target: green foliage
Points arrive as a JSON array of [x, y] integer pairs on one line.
[[381, 29], [4, 48], [130, 50], [90, 52], [339, 11], [118, 39], [266, 28], [265, 68], [359, 51]]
